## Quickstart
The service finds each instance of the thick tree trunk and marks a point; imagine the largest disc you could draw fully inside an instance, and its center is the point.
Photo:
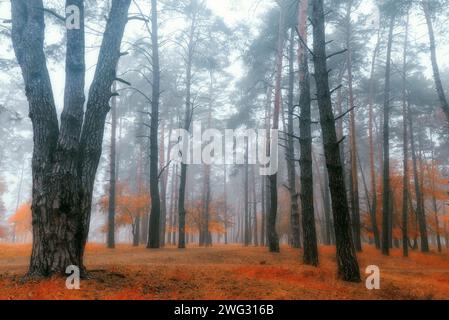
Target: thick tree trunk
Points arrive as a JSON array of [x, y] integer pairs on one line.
[[348, 268], [306, 164], [64, 165], [386, 195]]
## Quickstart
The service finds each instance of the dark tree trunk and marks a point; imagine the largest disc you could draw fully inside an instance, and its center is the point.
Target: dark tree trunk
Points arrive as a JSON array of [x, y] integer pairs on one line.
[[348, 268], [247, 237], [405, 182], [420, 213], [386, 196], [204, 239], [155, 215], [355, 204], [163, 167], [254, 202], [433, 55], [273, 239], [136, 231], [324, 188], [265, 181], [175, 204], [373, 211], [64, 165], [290, 154], [112, 175], [187, 123], [225, 177], [306, 164]]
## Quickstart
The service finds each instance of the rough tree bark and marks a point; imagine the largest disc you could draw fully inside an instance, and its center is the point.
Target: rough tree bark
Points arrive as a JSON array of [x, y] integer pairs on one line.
[[310, 256], [65, 159], [348, 268]]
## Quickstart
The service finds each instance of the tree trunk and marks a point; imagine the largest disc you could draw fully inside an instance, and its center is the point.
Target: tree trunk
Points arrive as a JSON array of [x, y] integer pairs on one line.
[[112, 175], [65, 158], [290, 154], [420, 213], [225, 177], [254, 202], [247, 237], [324, 186], [273, 239], [348, 268], [433, 55], [373, 211], [386, 196], [306, 164], [155, 215], [265, 181], [355, 204], [187, 123], [163, 168], [405, 181]]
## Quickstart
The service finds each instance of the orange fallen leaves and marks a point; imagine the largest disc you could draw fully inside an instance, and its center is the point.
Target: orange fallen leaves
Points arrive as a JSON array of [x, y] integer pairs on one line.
[[226, 272]]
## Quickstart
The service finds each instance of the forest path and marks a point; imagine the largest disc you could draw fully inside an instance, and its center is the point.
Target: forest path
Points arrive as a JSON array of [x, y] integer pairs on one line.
[[227, 272]]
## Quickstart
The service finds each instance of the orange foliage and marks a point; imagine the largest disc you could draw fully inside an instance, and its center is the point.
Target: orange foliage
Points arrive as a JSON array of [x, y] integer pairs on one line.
[[128, 205], [21, 219], [433, 185], [216, 216]]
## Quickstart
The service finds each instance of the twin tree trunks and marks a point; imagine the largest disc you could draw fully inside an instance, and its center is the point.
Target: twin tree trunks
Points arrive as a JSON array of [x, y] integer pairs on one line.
[[65, 155]]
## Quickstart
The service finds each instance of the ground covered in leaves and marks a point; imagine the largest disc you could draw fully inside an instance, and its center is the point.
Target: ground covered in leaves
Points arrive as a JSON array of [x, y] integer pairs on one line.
[[226, 272]]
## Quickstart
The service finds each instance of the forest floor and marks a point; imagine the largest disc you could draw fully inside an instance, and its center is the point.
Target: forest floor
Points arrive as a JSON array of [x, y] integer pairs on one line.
[[227, 272]]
